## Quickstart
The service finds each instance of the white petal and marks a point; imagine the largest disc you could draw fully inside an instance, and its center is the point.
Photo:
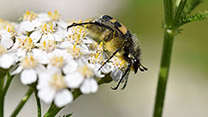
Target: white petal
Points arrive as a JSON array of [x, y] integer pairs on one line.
[[94, 85], [43, 80], [107, 68], [62, 24], [5, 34], [26, 26], [59, 35], [40, 69], [41, 56], [116, 74], [28, 76], [70, 67], [36, 35], [21, 53], [36, 23], [6, 43], [17, 71], [85, 88], [89, 86], [47, 37], [6, 61], [74, 80], [88, 41], [63, 98], [84, 48], [43, 17], [66, 44], [58, 52], [46, 94], [53, 69]]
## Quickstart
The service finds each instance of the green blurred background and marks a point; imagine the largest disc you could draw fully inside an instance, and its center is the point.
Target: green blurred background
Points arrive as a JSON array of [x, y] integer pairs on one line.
[[187, 89]]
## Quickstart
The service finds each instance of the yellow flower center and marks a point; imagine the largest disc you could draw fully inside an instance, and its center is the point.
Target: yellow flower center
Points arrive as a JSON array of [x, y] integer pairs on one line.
[[7, 26], [75, 52], [86, 71], [48, 45], [29, 16], [95, 58], [54, 16], [29, 62], [57, 81], [78, 32], [57, 61], [26, 43], [47, 28]]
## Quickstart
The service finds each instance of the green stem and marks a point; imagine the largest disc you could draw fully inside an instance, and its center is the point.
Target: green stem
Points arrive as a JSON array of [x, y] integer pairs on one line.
[[53, 110], [9, 80], [1, 96], [4, 91], [38, 103], [168, 11], [22, 102], [164, 70], [169, 34], [3, 73]]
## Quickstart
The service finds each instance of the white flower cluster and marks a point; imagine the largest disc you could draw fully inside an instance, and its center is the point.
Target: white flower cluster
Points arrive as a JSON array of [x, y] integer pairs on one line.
[[42, 51]]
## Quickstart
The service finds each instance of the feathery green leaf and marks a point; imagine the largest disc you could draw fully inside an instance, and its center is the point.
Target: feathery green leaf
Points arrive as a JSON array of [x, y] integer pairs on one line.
[[68, 115], [179, 11], [196, 17]]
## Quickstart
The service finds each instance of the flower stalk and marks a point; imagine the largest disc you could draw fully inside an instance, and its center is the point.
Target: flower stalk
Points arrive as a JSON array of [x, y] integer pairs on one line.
[[3, 89], [8, 82], [1, 96], [22, 102], [38, 102]]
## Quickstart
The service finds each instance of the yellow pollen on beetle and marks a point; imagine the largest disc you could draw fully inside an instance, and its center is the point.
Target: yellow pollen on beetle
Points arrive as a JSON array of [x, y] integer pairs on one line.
[[29, 16], [29, 62], [2, 50], [101, 44], [54, 16], [119, 62], [97, 55], [93, 46], [26, 43], [86, 71], [57, 61], [57, 81], [122, 63]]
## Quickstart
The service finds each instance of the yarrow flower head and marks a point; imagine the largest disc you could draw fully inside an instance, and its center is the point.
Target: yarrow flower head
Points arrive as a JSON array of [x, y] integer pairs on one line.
[[57, 60]]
